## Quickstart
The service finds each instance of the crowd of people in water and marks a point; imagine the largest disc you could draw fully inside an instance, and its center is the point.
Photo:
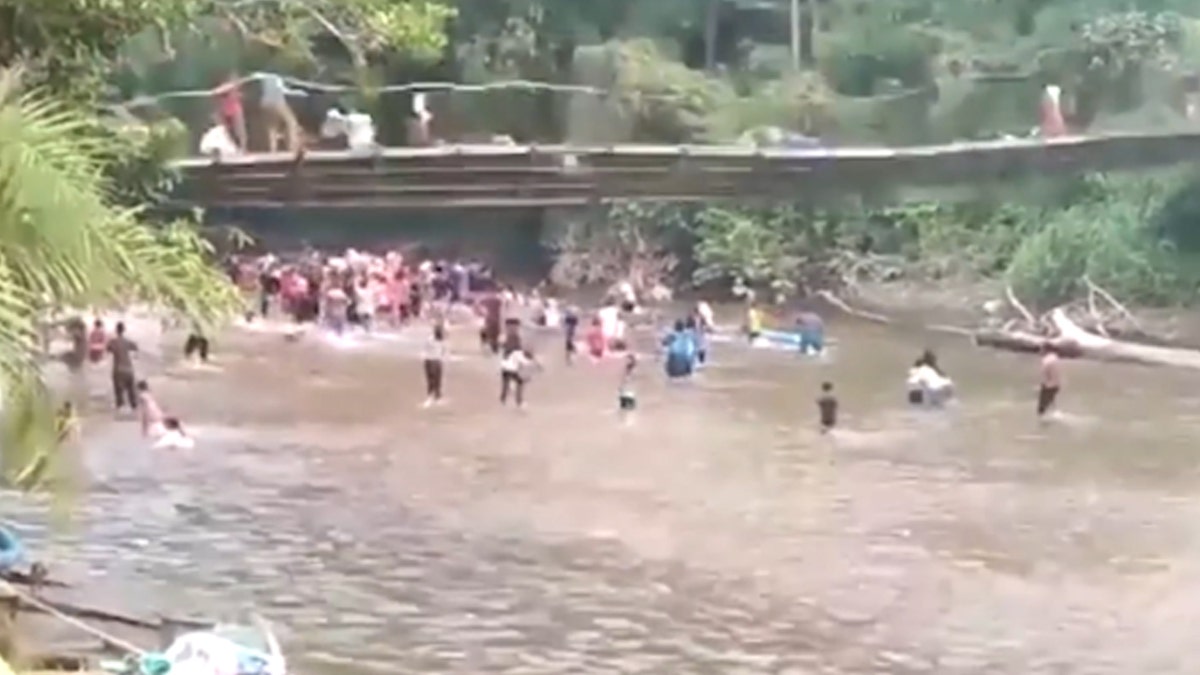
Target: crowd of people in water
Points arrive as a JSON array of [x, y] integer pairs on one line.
[[364, 292]]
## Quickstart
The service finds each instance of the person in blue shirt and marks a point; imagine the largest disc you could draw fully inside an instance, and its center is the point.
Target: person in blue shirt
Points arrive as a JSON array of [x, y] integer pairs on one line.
[[812, 334], [681, 352]]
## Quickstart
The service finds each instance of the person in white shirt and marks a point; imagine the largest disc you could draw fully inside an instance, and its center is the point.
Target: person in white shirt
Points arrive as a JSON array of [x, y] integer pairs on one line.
[[705, 312], [366, 303], [628, 297], [610, 318], [926, 384], [435, 365], [514, 366]]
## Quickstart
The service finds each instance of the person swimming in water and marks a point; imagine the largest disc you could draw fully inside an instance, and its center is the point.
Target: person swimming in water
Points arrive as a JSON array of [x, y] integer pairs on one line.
[[173, 436]]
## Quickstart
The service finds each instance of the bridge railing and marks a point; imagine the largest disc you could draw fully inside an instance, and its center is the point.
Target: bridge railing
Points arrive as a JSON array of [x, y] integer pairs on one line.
[[456, 176]]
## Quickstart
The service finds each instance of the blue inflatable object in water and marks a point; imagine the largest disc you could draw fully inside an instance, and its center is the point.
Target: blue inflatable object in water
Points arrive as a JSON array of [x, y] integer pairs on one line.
[[12, 552], [807, 342]]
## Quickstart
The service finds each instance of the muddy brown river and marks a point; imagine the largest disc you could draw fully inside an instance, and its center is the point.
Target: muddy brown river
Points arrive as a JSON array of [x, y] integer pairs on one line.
[[718, 533]]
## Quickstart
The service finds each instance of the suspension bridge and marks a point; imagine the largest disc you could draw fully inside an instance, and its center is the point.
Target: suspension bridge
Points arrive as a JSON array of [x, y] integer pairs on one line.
[[497, 176]]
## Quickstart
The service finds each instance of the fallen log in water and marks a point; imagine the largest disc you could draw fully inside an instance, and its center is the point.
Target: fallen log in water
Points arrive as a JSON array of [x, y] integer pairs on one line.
[[53, 607], [30, 579], [1069, 339], [1094, 346]]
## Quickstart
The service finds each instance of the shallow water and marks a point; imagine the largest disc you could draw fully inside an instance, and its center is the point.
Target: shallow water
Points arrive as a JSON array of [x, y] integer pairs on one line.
[[716, 533]]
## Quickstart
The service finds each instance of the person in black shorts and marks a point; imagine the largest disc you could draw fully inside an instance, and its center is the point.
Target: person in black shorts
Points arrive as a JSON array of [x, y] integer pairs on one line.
[[626, 398], [827, 407], [570, 328]]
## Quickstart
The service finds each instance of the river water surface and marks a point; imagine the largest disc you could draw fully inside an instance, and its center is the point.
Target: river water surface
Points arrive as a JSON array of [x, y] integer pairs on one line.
[[718, 533]]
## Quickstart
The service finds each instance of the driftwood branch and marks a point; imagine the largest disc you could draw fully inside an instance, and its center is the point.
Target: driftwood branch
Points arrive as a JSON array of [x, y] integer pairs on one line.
[[1124, 311], [840, 304], [1030, 321]]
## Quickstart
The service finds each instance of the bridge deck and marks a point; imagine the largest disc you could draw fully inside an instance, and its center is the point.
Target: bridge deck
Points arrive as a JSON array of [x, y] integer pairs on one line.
[[464, 176]]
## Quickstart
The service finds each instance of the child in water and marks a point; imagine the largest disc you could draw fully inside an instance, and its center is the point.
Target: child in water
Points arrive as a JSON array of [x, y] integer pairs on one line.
[[827, 408], [66, 423], [153, 424], [174, 437], [626, 398]]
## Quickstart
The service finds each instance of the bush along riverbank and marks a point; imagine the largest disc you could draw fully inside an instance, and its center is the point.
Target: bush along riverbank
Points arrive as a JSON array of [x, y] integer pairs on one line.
[[1137, 238], [1001, 259]]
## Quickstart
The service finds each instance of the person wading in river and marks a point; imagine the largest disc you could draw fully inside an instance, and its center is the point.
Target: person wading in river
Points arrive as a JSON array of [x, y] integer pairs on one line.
[[435, 365], [122, 348], [1051, 379], [827, 408]]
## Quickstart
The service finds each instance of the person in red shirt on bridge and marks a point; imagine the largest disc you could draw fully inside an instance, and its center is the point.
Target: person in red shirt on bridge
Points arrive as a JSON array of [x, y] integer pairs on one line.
[[230, 113], [1053, 124]]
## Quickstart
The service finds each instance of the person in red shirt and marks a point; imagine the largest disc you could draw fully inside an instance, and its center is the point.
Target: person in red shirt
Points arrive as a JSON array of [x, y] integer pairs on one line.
[[229, 109], [97, 342], [596, 342]]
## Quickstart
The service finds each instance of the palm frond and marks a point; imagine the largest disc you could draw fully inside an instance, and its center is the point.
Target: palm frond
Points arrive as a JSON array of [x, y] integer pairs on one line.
[[64, 242]]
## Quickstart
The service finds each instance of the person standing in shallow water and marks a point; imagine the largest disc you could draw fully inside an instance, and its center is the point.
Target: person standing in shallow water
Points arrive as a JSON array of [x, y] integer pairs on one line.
[[827, 408], [570, 328], [514, 374], [435, 365], [626, 397], [122, 349], [1050, 371]]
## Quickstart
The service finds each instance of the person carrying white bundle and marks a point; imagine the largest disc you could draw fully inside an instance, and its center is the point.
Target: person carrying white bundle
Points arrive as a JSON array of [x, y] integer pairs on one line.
[[926, 383], [357, 128]]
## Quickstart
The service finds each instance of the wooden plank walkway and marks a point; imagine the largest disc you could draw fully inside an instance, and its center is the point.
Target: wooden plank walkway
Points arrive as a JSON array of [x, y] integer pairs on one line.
[[487, 176]]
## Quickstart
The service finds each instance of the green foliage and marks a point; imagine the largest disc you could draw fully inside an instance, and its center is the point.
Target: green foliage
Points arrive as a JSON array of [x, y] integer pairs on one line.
[[66, 242], [1110, 240], [862, 62], [71, 45], [668, 102]]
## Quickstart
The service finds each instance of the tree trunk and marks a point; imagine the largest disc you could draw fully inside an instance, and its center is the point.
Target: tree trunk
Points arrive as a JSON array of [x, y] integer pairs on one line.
[[807, 25], [712, 20], [1100, 348]]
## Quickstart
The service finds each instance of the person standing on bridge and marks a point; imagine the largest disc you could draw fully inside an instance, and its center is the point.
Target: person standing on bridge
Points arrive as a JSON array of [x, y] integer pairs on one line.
[[1053, 124], [280, 120], [230, 114]]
